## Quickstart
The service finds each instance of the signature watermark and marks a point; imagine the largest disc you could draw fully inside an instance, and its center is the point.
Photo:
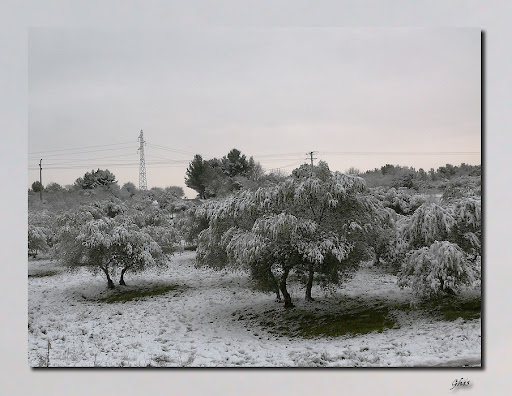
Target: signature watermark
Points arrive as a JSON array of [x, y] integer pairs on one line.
[[461, 383]]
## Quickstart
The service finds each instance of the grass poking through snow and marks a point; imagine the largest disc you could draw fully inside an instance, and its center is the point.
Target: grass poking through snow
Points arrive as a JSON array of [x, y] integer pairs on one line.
[[127, 293], [454, 308], [312, 324], [43, 274], [351, 316]]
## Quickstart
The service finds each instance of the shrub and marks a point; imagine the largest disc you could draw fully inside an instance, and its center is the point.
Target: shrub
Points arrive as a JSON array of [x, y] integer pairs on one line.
[[441, 268]]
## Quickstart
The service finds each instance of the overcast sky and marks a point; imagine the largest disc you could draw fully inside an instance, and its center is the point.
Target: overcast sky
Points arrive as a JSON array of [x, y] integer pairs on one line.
[[273, 93]]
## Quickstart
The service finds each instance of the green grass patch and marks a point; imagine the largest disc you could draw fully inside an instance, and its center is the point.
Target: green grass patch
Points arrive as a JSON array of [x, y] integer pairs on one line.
[[454, 308], [447, 308], [351, 316], [127, 293], [328, 320], [366, 320], [43, 274]]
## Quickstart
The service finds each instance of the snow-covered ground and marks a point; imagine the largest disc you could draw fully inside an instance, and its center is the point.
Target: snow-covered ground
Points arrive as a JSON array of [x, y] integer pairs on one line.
[[197, 324]]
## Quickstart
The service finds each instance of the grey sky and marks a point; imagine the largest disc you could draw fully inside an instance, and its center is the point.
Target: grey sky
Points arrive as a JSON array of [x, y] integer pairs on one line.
[[274, 93]]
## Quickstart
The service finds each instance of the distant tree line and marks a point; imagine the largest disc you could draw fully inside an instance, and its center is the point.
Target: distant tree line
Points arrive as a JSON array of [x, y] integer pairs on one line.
[[403, 176], [100, 185]]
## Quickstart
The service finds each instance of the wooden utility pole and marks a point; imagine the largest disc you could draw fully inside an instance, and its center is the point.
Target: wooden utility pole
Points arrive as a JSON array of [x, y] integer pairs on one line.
[[41, 180], [311, 156]]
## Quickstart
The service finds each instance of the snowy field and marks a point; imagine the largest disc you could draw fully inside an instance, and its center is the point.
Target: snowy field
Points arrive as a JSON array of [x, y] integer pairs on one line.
[[200, 322]]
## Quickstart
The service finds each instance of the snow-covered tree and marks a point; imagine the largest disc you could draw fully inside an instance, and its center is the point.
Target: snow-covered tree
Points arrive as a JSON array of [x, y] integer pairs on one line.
[[461, 187], [306, 224], [96, 178], [429, 223], [37, 237], [441, 248], [109, 237], [40, 232], [239, 210], [467, 231], [286, 242], [440, 268], [159, 224], [403, 201], [112, 245]]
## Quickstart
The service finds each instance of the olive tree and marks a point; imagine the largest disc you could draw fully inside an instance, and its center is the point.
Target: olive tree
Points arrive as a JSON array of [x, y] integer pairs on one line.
[[314, 222], [36, 240], [109, 237], [441, 268], [441, 248], [286, 242], [40, 232]]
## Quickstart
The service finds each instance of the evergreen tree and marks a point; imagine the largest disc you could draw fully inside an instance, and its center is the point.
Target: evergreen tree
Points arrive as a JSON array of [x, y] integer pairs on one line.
[[235, 164], [194, 178], [96, 178], [37, 186]]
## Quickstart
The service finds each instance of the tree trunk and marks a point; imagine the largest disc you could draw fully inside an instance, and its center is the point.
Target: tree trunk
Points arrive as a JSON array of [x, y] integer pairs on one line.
[[309, 285], [110, 283], [278, 295], [121, 280], [282, 286], [379, 251], [275, 284], [448, 291]]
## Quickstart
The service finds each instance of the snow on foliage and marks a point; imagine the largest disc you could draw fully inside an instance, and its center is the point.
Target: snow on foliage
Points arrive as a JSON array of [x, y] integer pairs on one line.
[[296, 224], [36, 239], [40, 232], [468, 212], [440, 268], [401, 200], [111, 237], [441, 247], [429, 223], [467, 232]]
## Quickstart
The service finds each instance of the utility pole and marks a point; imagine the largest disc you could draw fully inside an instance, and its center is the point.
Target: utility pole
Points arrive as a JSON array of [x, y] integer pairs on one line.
[[41, 180], [311, 156], [143, 184]]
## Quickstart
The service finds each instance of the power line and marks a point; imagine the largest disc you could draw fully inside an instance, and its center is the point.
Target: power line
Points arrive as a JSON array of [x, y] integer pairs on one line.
[[398, 152], [134, 165], [83, 152], [286, 166], [111, 164], [157, 146], [59, 159], [79, 148], [69, 160], [167, 159], [277, 155]]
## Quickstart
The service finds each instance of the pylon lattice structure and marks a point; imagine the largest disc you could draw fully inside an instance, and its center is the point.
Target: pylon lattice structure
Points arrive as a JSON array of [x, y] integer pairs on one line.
[[143, 184]]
